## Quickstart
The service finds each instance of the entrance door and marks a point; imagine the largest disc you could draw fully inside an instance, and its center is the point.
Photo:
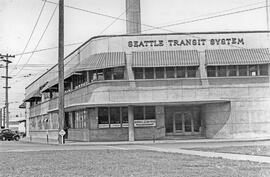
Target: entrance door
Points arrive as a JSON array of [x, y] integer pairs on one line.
[[183, 123]]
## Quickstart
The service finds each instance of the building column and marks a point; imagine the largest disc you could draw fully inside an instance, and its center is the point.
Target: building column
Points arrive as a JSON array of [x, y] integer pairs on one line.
[[131, 133], [202, 69]]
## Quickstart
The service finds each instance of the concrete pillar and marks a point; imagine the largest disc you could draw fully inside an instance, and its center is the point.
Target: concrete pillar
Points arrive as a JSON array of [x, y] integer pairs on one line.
[[202, 69], [131, 134], [133, 16]]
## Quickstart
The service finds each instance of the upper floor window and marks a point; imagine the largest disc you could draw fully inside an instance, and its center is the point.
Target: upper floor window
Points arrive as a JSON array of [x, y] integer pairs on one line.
[[237, 70], [165, 72]]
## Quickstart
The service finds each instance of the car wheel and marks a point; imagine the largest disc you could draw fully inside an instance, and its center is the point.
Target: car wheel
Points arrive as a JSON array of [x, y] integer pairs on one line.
[[16, 138]]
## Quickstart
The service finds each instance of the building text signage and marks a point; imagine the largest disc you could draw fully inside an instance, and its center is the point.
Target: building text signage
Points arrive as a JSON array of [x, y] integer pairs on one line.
[[186, 42]]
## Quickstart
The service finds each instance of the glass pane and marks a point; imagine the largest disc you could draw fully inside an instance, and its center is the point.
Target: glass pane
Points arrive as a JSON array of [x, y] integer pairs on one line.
[[180, 72], [150, 112], [138, 73], [149, 73], [211, 71], [221, 71], [178, 122], [242, 70], [263, 70], [118, 73], [138, 113], [124, 115], [187, 120], [232, 70], [108, 74], [170, 72], [253, 70], [159, 73], [191, 71], [115, 115], [90, 76], [196, 121], [103, 115]]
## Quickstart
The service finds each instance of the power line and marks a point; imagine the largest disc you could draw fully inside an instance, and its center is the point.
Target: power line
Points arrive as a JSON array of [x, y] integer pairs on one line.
[[39, 39], [32, 32], [153, 28]]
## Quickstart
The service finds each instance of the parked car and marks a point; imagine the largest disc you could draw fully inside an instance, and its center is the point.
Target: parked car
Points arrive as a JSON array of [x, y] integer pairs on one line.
[[8, 134]]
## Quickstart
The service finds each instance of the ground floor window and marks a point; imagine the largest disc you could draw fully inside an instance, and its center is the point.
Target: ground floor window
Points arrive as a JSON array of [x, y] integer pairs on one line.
[[112, 117], [77, 119], [144, 112]]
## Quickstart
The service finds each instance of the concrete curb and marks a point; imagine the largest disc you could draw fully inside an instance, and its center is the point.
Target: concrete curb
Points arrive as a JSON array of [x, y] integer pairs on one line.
[[77, 143]]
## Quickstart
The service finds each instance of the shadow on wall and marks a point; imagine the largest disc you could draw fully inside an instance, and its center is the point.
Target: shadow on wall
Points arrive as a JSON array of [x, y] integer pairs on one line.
[[217, 120]]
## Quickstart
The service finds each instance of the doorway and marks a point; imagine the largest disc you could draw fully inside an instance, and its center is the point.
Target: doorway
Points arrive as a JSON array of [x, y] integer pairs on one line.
[[183, 121]]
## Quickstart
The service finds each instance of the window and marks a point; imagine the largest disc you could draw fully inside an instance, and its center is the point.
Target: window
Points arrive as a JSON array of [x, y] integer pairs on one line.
[[221, 71], [263, 70], [124, 115], [180, 72], [138, 113], [191, 71], [242, 70], [103, 117], [144, 112], [232, 70], [115, 115], [150, 112], [160, 73], [253, 70], [149, 73], [211, 71], [170, 72], [138, 73], [80, 119], [108, 74], [112, 117], [118, 73]]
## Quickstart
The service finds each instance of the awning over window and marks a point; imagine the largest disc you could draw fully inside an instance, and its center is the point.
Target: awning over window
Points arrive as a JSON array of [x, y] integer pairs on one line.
[[237, 57], [50, 84], [165, 58], [102, 60], [34, 94]]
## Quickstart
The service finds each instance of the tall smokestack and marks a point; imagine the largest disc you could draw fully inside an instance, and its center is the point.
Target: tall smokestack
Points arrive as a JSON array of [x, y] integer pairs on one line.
[[133, 17]]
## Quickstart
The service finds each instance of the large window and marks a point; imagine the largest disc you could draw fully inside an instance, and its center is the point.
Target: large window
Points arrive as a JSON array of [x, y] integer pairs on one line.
[[263, 70], [159, 73], [221, 71], [149, 73], [80, 119], [112, 117], [242, 70], [165, 72], [237, 70], [144, 112]]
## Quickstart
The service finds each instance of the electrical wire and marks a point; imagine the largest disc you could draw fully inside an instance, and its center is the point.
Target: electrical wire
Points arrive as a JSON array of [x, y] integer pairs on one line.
[[159, 27], [32, 32], [39, 40]]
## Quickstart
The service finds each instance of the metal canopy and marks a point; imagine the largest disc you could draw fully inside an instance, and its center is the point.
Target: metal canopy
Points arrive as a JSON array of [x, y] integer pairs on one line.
[[237, 57], [165, 58]]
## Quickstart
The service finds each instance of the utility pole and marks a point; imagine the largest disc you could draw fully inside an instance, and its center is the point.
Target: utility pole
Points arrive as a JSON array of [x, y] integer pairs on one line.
[[267, 15], [6, 87], [61, 111]]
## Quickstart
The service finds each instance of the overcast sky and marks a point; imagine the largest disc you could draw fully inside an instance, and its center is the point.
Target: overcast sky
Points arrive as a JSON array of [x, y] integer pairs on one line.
[[18, 18]]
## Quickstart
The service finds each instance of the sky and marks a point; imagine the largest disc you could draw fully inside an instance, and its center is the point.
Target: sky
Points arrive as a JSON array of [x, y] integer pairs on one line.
[[18, 18]]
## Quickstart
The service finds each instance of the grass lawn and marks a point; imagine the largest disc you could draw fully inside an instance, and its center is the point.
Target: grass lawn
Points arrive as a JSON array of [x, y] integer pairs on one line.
[[119, 163], [249, 150]]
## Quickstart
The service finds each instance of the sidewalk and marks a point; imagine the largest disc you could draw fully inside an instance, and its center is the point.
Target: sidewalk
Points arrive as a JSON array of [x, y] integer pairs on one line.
[[80, 143], [253, 158]]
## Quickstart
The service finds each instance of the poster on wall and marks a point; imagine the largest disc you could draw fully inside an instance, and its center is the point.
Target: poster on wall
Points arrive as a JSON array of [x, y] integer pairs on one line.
[[145, 123], [103, 125]]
